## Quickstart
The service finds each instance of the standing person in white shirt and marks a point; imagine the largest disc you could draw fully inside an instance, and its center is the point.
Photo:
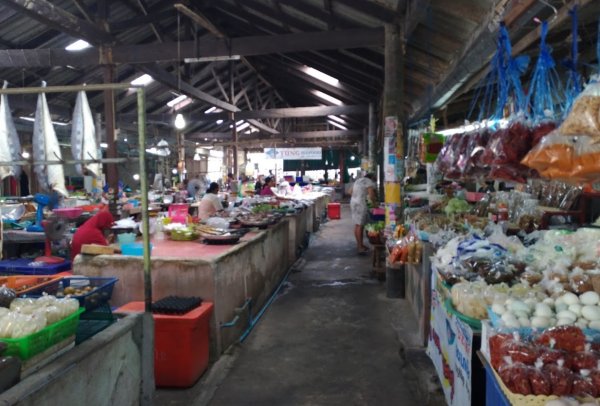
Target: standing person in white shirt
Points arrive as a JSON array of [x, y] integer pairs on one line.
[[363, 190], [210, 203]]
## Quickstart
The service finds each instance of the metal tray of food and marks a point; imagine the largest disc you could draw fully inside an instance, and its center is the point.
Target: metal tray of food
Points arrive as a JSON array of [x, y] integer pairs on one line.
[[220, 239]]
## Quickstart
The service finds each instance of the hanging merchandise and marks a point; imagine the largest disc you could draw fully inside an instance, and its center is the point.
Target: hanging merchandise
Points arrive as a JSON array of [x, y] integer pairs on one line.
[[83, 137], [553, 157], [46, 148], [584, 118], [10, 146], [431, 143], [574, 81]]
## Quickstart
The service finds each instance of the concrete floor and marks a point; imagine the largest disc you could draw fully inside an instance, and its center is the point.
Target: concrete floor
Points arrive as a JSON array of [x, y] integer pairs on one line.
[[331, 337]]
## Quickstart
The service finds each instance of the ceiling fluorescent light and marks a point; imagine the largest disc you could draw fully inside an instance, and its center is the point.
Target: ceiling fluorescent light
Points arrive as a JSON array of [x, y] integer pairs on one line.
[[213, 109], [242, 127], [219, 121], [327, 97], [333, 123], [103, 145], [78, 45], [213, 58], [142, 80], [32, 119], [323, 77], [177, 100]]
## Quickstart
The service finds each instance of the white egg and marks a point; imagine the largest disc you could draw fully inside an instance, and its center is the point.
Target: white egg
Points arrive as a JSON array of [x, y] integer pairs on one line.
[[518, 305], [581, 323], [519, 314], [570, 298], [543, 310], [559, 307], [566, 314], [498, 309], [530, 302], [549, 301], [564, 322], [539, 322], [595, 324], [552, 321], [576, 308], [589, 298], [591, 313], [508, 316], [524, 322], [559, 300], [512, 323]]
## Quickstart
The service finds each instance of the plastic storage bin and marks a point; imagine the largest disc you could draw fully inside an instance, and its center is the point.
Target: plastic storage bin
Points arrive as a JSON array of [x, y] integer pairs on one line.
[[334, 211], [25, 284], [181, 344], [101, 293], [23, 266], [178, 212]]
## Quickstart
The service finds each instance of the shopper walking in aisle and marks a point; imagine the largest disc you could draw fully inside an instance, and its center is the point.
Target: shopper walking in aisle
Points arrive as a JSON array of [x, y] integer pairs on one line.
[[362, 191]]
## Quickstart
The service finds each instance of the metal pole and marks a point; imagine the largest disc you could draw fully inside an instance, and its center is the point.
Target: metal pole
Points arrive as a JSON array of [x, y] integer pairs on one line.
[[144, 191], [112, 174]]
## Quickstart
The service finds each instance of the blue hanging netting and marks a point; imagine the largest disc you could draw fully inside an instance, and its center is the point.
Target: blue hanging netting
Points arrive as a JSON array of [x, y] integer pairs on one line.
[[545, 91], [574, 85], [502, 82]]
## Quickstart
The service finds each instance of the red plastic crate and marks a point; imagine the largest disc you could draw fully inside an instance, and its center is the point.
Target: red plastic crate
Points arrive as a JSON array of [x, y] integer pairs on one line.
[[181, 344], [334, 211]]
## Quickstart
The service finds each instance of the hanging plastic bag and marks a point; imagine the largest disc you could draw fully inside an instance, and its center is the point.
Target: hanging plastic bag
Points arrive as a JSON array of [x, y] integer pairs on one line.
[[584, 118], [553, 157], [431, 145], [586, 165]]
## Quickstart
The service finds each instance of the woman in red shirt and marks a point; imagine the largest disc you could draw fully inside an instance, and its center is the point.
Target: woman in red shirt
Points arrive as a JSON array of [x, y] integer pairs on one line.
[[91, 232], [266, 190]]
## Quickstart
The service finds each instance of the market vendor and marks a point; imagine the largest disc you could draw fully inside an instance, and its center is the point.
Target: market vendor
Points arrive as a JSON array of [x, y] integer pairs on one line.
[[266, 190], [210, 203], [247, 187], [362, 190], [92, 232]]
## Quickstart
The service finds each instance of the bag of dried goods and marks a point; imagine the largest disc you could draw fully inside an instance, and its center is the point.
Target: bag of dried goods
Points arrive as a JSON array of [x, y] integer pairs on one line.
[[553, 157], [584, 118]]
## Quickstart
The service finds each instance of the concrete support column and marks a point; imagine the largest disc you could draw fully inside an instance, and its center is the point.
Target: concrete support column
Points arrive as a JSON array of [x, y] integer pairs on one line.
[[371, 139], [393, 147]]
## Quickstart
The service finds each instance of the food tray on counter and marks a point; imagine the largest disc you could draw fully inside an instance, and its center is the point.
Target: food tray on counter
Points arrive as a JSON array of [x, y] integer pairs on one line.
[[220, 239], [99, 294], [25, 284], [28, 346]]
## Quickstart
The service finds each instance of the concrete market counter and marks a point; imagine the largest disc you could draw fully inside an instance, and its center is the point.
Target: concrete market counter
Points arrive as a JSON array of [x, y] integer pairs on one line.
[[226, 275]]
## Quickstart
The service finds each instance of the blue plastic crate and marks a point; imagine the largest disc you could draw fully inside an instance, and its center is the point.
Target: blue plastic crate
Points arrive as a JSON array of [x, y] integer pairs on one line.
[[22, 266], [493, 393], [100, 295]]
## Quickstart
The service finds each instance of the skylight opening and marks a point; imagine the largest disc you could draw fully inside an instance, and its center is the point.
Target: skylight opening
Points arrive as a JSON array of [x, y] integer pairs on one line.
[[337, 120], [32, 119], [142, 80], [78, 45], [333, 123], [177, 100], [327, 97], [323, 77]]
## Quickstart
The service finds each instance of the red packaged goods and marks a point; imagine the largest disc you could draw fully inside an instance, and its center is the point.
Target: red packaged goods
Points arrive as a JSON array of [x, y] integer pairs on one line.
[[496, 349], [541, 130], [595, 376], [516, 377], [508, 145], [539, 380], [583, 385], [552, 356], [568, 338], [584, 359], [477, 145], [520, 351], [445, 159], [460, 155], [561, 378]]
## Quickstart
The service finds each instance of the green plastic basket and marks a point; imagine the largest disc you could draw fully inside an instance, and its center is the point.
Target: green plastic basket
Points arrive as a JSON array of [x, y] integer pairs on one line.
[[33, 344], [475, 324]]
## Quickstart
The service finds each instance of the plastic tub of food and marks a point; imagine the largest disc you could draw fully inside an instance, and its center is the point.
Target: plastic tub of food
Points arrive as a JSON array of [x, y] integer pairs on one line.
[[90, 292], [126, 238], [134, 249]]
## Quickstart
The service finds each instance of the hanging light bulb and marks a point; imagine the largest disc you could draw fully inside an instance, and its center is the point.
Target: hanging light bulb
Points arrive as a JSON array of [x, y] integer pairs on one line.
[[326, 162], [174, 171], [352, 157], [136, 177], [179, 122]]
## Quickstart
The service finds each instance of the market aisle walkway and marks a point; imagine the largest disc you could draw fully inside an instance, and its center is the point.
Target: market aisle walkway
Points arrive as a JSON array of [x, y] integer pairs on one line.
[[328, 339]]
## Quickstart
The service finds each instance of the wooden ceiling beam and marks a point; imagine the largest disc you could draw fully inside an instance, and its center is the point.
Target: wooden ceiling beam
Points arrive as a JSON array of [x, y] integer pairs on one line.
[[57, 18]]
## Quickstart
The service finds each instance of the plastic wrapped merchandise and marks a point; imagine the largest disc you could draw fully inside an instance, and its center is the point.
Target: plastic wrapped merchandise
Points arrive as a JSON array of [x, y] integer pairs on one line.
[[539, 380], [475, 166], [7, 295], [584, 118], [553, 157], [468, 299], [586, 162], [568, 338], [561, 378], [583, 385], [586, 359], [24, 305], [515, 376]]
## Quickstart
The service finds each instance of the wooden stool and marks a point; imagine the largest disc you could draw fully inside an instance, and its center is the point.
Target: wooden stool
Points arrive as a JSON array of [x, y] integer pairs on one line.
[[379, 260]]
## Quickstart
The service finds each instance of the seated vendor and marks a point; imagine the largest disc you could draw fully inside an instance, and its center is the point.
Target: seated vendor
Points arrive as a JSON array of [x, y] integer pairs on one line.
[[92, 232], [210, 203], [266, 190], [247, 187]]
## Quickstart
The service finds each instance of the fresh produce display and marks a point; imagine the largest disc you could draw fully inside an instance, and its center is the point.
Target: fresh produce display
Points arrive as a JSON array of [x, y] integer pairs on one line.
[[188, 233], [27, 316]]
